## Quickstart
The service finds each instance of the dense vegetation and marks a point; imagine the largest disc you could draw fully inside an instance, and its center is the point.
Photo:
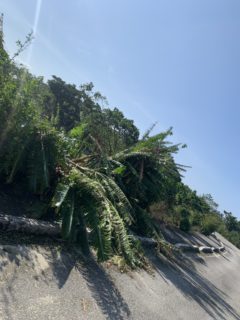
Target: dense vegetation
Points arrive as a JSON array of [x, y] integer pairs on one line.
[[89, 166]]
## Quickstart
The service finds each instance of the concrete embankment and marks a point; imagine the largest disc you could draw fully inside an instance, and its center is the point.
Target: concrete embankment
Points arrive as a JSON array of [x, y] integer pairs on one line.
[[40, 282]]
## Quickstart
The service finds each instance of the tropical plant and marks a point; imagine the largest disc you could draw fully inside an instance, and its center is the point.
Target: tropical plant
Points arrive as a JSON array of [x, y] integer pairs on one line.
[[93, 207], [110, 196]]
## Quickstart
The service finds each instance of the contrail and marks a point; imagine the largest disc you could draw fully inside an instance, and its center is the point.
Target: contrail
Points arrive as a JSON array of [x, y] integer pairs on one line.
[[35, 26]]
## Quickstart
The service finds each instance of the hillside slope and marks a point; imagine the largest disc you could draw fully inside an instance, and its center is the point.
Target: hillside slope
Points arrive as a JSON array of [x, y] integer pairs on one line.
[[39, 282]]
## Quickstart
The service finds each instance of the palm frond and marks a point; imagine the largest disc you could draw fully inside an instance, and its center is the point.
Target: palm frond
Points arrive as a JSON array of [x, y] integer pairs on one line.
[[67, 212], [60, 194]]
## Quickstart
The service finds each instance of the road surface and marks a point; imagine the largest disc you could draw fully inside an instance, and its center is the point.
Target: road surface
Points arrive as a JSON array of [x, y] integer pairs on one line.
[[42, 283]]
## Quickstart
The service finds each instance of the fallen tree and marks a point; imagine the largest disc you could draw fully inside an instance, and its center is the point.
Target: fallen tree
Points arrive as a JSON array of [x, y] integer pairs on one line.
[[39, 227], [27, 225]]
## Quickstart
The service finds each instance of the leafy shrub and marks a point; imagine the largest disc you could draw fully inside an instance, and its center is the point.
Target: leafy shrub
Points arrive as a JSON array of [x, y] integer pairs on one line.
[[210, 224], [184, 218], [185, 224], [234, 237], [196, 218]]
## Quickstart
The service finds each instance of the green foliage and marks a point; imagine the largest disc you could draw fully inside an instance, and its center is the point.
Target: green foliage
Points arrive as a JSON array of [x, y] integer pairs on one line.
[[31, 154], [62, 142], [210, 224], [185, 224], [67, 103], [231, 222], [189, 198], [150, 173], [90, 199], [234, 237], [23, 45], [105, 131], [78, 132]]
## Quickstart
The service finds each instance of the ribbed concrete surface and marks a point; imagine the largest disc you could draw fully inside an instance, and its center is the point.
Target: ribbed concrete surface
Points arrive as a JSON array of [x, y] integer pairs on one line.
[[38, 283]]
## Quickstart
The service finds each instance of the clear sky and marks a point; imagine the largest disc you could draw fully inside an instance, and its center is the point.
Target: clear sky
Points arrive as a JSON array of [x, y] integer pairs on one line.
[[170, 61]]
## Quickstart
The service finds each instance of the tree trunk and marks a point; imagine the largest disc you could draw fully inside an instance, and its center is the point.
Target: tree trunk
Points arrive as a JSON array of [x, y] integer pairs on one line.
[[27, 225]]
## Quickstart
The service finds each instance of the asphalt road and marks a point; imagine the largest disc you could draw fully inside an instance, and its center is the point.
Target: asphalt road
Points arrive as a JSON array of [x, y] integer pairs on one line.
[[39, 283]]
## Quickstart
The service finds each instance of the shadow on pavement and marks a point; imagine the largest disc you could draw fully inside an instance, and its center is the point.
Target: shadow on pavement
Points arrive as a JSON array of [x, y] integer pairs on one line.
[[183, 275], [103, 289]]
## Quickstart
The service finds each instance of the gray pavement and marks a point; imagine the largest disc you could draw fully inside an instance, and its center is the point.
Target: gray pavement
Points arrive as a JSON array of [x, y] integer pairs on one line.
[[42, 283]]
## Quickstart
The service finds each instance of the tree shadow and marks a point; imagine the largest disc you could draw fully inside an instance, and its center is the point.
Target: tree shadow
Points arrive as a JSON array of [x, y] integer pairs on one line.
[[103, 289], [182, 274], [62, 264], [174, 235], [62, 261], [204, 240]]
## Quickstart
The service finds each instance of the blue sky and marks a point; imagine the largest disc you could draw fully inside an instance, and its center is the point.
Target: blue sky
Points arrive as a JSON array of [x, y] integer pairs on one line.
[[170, 61]]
